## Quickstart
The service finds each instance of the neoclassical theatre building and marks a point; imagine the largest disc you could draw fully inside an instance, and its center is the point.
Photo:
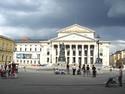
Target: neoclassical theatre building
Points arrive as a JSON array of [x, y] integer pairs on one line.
[[80, 48]]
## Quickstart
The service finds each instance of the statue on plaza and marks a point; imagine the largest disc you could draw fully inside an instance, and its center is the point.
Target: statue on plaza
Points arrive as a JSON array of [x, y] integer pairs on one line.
[[62, 53]]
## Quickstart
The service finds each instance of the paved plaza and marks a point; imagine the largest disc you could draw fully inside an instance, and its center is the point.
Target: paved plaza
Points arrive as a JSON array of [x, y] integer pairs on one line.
[[46, 82]]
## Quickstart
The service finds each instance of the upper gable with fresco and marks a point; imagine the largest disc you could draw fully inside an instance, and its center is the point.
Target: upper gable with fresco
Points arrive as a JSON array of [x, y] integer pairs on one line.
[[77, 29]]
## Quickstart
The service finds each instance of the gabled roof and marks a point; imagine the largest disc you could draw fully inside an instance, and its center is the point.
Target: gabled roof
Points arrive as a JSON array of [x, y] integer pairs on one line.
[[57, 38], [76, 28]]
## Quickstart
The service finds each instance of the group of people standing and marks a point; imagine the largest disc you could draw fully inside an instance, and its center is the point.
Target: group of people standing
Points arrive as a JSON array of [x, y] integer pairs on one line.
[[8, 70], [85, 69]]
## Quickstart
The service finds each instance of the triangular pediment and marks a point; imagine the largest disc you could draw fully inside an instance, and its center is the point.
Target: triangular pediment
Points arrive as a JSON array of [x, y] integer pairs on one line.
[[76, 28], [73, 37]]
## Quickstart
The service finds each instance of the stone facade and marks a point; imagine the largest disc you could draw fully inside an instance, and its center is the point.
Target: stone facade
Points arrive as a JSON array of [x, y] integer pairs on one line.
[[80, 48], [118, 58], [6, 50]]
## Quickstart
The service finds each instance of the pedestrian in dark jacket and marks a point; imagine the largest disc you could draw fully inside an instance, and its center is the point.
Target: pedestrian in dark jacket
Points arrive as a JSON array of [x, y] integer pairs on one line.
[[88, 70], [68, 71], [120, 76], [74, 69], [94, 71]]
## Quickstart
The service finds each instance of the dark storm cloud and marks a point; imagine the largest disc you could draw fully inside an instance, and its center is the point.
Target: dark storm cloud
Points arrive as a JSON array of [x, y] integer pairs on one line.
[[116, 8], [94, 12], [45, 16], [19, 5], [76, 11], [111, 32], [85, 12]]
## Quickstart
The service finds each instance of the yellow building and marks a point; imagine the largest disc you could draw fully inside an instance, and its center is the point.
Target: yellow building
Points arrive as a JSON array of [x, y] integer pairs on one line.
[[7, 47], [118, 58]]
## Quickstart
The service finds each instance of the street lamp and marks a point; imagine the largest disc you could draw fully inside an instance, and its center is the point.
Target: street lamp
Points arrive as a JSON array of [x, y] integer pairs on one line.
[[98, 61]]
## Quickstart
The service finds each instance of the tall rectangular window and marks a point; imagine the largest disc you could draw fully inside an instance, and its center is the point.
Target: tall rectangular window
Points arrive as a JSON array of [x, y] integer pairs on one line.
[[85, 52], [48, 53], [74, 53], [74, 60], [85, 47], [91, 60], [47, 59], [91, 53], [85, 60], [67, 60], [91, 47], [73, 47], [80, 61], [56, 59], [80, 53], [80, 47], [68, 53]]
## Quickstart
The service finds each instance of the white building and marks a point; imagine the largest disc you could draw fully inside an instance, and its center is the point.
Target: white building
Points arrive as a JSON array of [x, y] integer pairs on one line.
[[80, 48]]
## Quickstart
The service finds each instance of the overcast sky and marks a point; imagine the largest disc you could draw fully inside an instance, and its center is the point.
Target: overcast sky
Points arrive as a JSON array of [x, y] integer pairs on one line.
[[40, 19]]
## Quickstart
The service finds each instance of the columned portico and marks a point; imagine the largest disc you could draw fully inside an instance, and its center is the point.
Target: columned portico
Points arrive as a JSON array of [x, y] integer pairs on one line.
[[80, 45], [76, 53]]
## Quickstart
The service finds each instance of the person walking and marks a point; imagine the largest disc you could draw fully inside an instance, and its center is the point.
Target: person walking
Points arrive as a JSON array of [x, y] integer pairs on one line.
[[5, 66], [93, 71], [120, 76], [88, 70], [74, 69], [83, 69], [68, 72]]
